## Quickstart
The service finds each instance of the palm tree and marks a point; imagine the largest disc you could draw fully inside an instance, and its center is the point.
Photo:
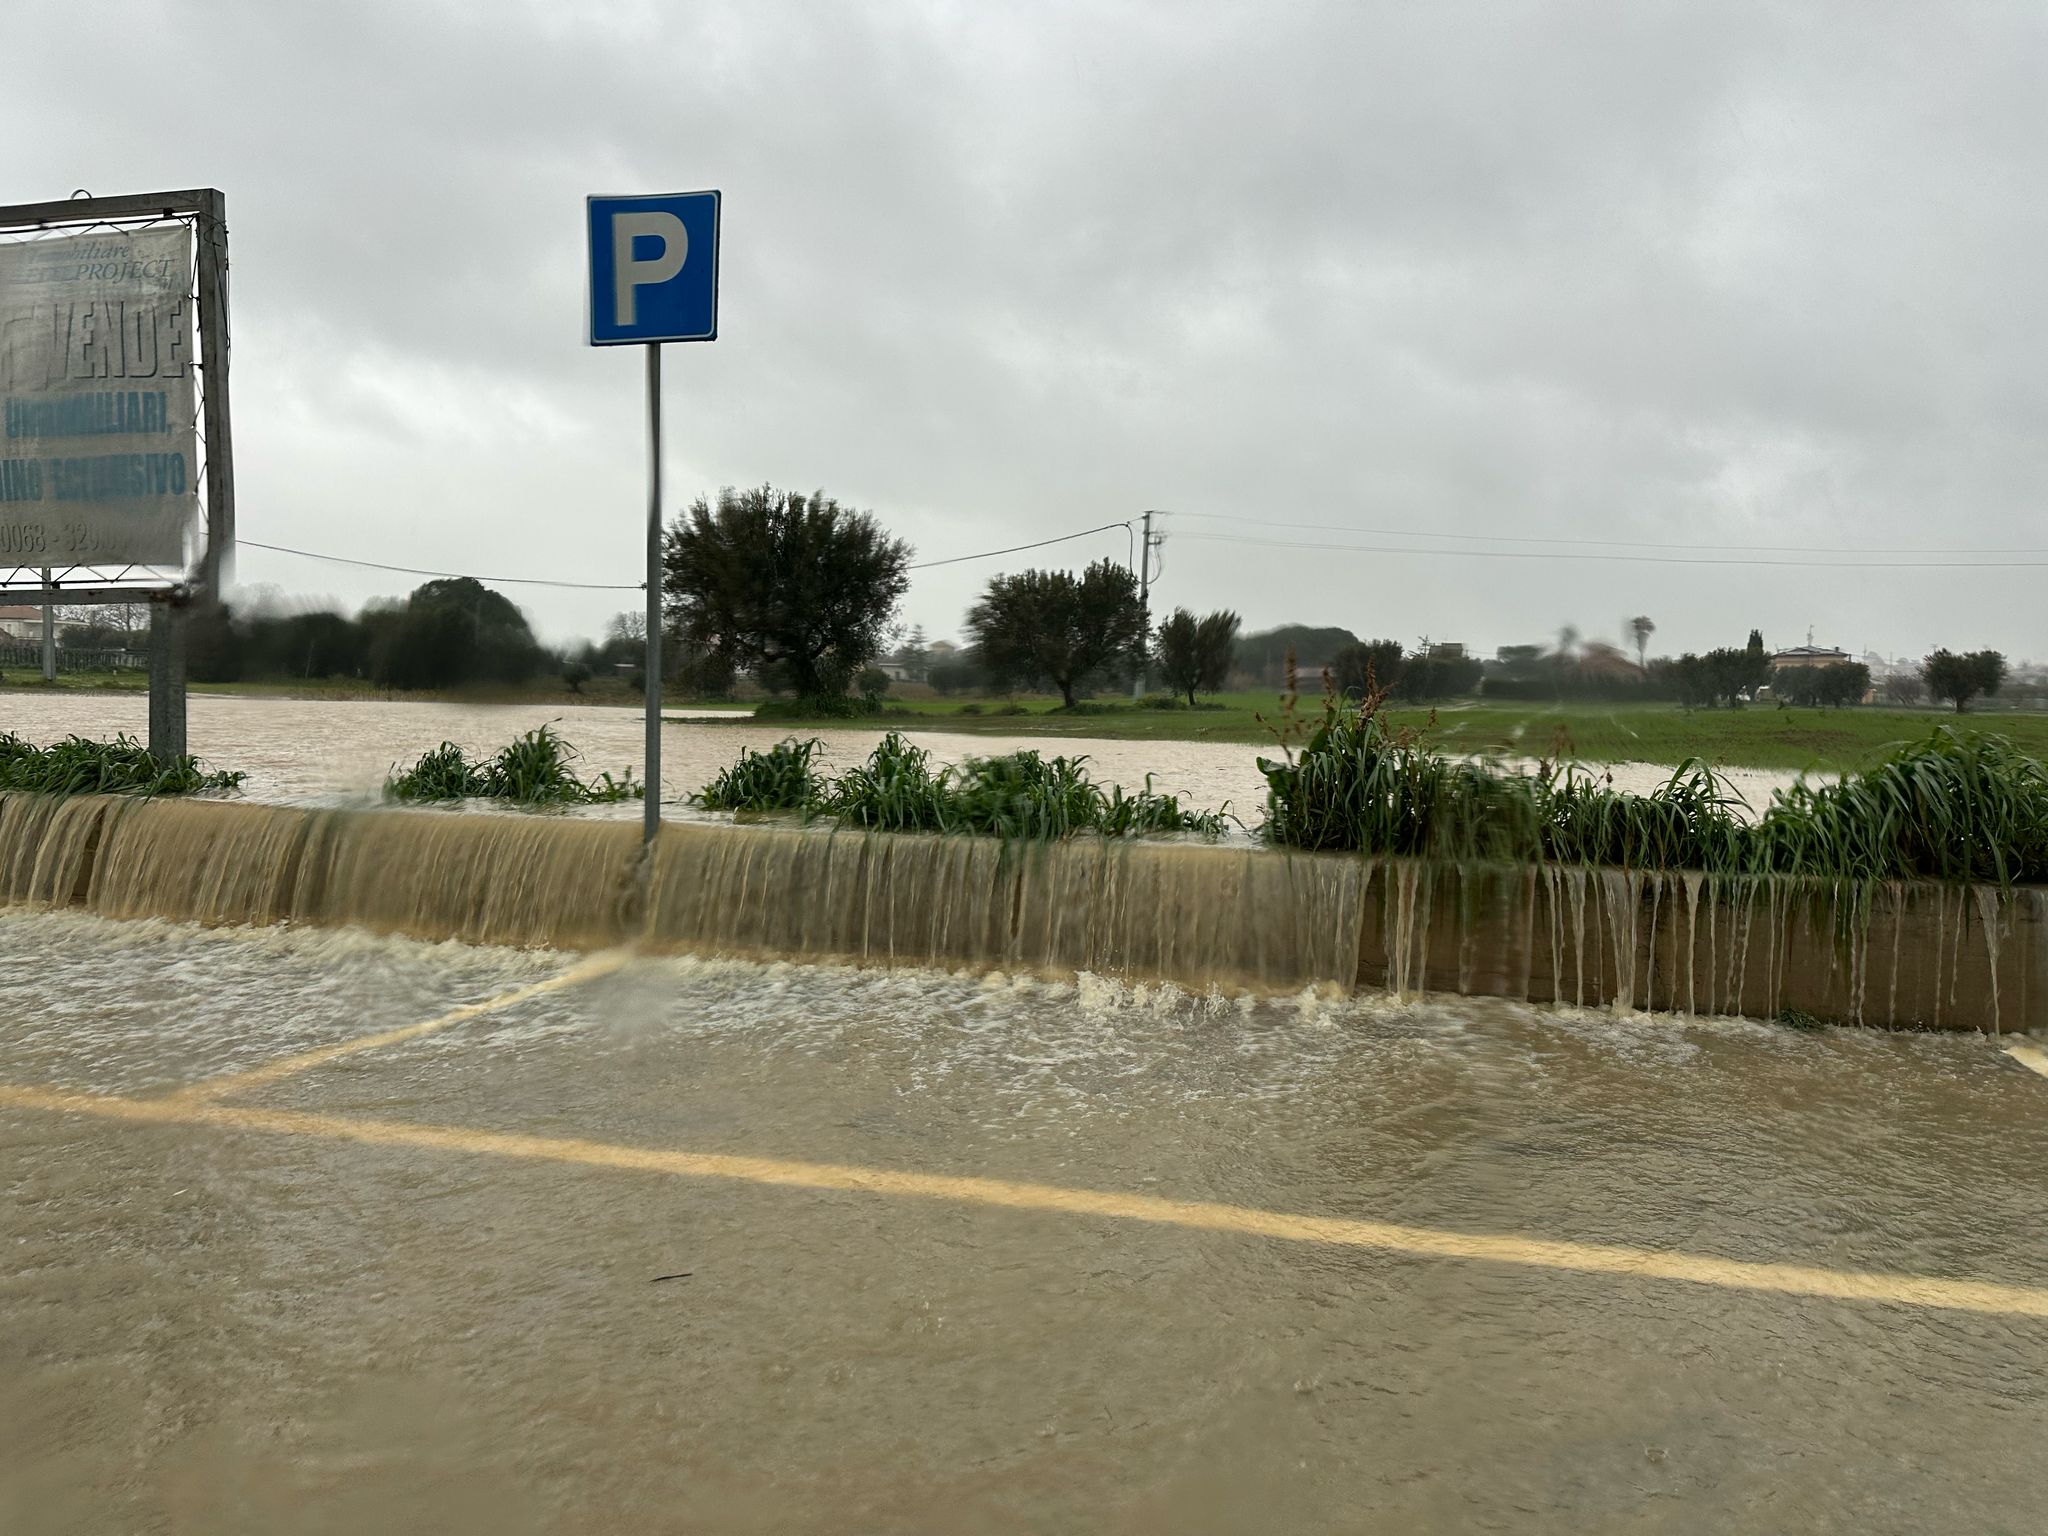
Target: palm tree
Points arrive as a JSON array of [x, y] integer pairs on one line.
[[1642, 627]]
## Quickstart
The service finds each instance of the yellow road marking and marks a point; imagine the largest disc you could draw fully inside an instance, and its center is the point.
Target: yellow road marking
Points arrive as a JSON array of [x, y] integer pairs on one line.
[[290, 1066], [1424, 1242], [2029, 1055]]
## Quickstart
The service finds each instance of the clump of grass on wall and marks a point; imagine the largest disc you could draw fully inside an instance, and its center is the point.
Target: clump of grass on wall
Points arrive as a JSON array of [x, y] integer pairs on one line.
[[1947, 808], [780, 779], [896, 789], [123, 766], [532, 770]]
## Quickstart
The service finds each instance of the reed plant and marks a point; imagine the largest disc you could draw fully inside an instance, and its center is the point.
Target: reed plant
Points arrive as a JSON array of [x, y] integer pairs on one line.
[[123, 766], [533, 769], [1967, 809]]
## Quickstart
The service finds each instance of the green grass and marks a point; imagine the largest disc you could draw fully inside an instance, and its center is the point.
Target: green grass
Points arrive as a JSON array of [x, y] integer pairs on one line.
[[123, 766], [1757, 737], [1015, 795], [29, 680], [533, 770]]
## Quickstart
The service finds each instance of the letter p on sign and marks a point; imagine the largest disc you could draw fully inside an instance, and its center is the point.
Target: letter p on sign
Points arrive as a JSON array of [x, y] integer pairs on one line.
[[653, 268]]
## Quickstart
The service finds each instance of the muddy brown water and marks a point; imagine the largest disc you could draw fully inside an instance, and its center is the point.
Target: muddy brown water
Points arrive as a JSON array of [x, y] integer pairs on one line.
[[211, 1326], [340, 750], [215, 1329]]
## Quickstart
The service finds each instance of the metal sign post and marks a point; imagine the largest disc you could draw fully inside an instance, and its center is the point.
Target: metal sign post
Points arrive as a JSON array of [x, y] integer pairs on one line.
[[653, 279], [650, 811]]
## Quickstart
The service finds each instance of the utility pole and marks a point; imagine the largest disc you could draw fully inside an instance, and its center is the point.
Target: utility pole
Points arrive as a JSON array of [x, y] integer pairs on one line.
[[1148, 542]]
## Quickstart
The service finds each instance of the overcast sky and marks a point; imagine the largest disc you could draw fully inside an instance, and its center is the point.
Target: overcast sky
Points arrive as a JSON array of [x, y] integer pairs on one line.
[[1763, 277]]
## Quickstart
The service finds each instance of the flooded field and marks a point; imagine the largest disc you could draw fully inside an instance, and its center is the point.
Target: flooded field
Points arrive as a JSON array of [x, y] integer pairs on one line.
[[691, 1245], [333, 751]]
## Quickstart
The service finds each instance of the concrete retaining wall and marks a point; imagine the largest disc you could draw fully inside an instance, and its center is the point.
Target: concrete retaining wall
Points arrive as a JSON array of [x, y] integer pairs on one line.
[[1205, 916]]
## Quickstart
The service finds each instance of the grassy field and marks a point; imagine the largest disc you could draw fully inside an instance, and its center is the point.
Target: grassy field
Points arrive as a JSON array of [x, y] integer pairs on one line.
[[1764, 737]]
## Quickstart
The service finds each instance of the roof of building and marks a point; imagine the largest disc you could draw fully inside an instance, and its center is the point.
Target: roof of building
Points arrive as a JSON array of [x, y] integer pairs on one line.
[[1811, 653]]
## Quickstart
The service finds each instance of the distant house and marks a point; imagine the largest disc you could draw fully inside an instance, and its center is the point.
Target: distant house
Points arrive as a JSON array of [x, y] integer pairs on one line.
[[1810, 656], [21, 622], [1599, 659]]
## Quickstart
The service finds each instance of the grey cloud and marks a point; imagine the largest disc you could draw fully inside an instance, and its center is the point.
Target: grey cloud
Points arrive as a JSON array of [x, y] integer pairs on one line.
[[1707, 274]]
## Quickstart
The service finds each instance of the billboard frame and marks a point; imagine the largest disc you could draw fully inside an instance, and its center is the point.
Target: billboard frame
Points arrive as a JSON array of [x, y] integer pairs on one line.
[[170, 598]]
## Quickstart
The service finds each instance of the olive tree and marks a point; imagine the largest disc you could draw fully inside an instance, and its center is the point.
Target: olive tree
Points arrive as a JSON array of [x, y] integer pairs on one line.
[[1195, 654], [798, 588], [1960, 677], [1056, 627]]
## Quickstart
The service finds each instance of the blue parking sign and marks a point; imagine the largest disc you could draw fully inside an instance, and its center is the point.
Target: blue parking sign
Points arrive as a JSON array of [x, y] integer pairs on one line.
[[654, 268]]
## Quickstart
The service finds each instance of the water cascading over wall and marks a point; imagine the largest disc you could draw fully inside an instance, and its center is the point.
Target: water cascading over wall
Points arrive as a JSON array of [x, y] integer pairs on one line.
[[1225, 916]]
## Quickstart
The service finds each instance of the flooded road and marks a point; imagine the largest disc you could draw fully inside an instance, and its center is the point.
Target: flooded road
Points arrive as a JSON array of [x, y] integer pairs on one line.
[[334, 751], [688, 1245]]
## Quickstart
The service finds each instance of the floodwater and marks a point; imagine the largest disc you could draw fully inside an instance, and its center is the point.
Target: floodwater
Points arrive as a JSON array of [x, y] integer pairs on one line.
[[694, 1245], [221, 1326], [333, 751]]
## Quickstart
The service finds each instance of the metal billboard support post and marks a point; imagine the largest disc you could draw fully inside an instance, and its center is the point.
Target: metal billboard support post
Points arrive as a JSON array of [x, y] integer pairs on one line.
[[650, 826], [166, 678], [49, 635], [211, 231]]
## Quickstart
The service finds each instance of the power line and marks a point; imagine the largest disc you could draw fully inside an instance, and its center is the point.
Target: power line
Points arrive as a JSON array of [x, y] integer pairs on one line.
[[1518, 538], [604, 586], [409, 570], [1541, 554], [990, 554]]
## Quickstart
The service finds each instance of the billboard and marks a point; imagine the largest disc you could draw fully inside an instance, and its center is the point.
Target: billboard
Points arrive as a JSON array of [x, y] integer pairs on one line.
[[99, 462]]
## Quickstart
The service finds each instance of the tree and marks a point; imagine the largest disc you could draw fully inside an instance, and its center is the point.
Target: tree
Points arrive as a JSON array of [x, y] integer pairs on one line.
[[103, 626], [1640, 628], [452, 630], [1054, 627], [1959, 678], [798, 588], [1846, 682], [1439, 673], [1904, 688], [1359, 669], [956, 674], [1196, 653], [914, 655], [1842, 682], [1720, 677], [1264, 655]]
